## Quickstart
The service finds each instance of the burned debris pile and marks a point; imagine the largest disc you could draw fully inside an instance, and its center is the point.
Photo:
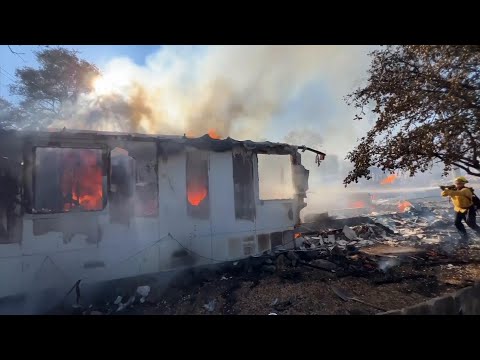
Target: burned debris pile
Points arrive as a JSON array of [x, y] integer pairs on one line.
[[420, 225]]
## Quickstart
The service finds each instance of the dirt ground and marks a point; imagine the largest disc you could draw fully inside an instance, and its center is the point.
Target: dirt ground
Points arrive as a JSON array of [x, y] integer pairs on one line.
[[306, 291]]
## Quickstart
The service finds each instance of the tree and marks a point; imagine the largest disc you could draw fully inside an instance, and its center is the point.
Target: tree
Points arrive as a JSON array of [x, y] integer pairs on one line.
[[427, 105], [47, 91], [11, 117]]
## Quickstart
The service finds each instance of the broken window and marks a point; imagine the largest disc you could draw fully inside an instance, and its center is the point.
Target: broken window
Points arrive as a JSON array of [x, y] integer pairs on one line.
[[122, 186], [68, 179], [10, 221], [243, 186], [146, 187], [198, 200], [275, 177], [133, 181]]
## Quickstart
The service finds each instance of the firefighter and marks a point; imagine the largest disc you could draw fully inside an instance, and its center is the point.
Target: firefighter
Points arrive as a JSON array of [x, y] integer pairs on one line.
[[462, 198]]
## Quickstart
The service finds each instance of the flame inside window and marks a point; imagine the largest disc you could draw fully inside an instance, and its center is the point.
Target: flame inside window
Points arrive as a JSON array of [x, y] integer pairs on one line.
[[82, 180], [68, 179], [197, 184], [196, 194]]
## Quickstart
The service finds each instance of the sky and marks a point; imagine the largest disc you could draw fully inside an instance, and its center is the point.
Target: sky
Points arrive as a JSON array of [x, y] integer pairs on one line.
[[98, 54], [280, 90]]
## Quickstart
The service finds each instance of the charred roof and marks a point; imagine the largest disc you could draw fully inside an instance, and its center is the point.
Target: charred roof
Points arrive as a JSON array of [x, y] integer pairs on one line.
[[170, 142]]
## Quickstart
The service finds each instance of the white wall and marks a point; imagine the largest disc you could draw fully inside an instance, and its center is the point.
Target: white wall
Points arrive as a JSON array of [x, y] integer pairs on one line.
[[145, 246]]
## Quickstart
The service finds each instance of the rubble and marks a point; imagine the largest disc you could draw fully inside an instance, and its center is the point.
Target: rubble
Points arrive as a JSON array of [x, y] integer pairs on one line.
[[210, 306], [324, 264], [342, 243], [130, 302], [143, 291], [421, 224], [269, 268], [118, 300], [281, 262], [349, 233]]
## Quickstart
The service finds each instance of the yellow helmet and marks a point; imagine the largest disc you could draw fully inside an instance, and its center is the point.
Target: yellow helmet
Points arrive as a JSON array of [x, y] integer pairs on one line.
[[462, 179]]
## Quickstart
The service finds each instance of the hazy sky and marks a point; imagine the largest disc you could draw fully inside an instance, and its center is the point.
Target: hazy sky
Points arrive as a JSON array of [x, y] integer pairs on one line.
[[303, 85]]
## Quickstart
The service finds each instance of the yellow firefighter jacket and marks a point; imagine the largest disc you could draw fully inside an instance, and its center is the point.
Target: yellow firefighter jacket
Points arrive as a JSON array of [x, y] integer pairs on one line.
[[462, 199]]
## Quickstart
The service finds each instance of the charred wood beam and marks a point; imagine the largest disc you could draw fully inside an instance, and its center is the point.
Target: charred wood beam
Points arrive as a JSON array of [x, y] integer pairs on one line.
[[321, 154]]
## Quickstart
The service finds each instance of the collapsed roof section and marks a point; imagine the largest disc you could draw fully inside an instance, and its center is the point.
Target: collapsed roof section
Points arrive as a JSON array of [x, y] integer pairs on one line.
[[170, 143]]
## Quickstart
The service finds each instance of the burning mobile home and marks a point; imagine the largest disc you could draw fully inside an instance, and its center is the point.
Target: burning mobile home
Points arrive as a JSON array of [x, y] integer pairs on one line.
[[100, 206]]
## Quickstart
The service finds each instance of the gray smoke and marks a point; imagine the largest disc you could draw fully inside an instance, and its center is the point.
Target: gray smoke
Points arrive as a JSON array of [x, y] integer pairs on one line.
[[237, 90]]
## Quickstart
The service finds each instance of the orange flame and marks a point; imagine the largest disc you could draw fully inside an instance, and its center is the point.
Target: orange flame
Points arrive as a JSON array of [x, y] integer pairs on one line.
[[358, 205], [196, 195], [82, 183], [389, 179], [213, 134], [403, 205]]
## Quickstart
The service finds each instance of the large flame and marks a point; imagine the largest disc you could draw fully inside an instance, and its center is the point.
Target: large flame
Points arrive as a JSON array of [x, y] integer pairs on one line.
[[196, 194], [81, 181], [404, 205], [389, 179], [213, 134]]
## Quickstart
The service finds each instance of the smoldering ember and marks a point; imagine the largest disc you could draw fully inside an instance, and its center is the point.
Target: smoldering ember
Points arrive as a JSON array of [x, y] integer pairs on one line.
[[110, 223]]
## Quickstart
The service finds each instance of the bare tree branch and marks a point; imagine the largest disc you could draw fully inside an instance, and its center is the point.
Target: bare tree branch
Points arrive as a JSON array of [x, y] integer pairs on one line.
[[16, 53], [426, 101]]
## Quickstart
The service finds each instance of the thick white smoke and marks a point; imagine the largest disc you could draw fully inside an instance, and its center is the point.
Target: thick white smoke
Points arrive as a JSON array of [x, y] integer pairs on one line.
[[237, 90], [291, 94]]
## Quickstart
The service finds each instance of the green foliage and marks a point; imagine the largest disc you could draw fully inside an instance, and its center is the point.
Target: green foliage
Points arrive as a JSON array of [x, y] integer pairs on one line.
[[426, 100]]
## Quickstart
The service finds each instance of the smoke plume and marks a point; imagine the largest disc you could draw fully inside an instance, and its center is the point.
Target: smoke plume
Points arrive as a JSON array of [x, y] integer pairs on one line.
[[237, 90]]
